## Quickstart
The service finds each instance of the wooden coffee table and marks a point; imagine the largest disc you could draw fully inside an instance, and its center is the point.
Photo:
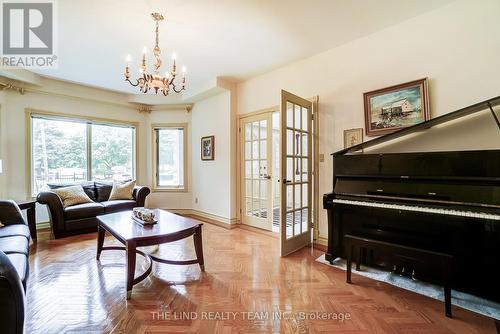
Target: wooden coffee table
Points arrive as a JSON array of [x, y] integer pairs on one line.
[[170, 227]]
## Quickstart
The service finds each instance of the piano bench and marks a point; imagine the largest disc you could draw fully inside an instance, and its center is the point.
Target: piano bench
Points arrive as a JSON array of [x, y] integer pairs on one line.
[[444, 261]]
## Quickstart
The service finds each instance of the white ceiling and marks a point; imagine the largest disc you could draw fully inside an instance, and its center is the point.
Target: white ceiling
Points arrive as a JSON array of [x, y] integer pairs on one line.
[[230, 38]]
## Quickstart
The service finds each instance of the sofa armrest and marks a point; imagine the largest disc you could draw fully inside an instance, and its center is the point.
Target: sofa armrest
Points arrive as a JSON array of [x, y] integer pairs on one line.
[[139, 194], [12, 298], [56, 210], [10, 213]]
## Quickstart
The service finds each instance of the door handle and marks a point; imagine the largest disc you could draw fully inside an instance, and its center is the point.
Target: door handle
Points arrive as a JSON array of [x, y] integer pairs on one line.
[[285, 181], [265, 176]]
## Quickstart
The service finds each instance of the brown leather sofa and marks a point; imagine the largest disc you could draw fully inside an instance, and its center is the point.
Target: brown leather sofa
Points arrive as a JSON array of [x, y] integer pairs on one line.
[[14, 267], [81, 218]]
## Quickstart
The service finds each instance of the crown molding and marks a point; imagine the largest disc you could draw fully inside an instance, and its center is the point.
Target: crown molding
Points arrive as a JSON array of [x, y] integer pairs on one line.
[[144, 108], [10, 86], [25, 81]]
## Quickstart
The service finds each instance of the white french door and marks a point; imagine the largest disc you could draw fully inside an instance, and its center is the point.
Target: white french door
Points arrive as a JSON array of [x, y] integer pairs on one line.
[[256, 148], [296, 172]]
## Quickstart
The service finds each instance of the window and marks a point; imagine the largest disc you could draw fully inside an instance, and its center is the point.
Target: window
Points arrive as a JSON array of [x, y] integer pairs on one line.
[[67, 150], [170, 159]]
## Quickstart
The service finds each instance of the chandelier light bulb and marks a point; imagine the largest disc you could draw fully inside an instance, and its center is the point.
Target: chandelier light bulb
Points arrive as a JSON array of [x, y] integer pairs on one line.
[[144, 50], [128, 59], [183, 69], [174, 56], [167, 74]]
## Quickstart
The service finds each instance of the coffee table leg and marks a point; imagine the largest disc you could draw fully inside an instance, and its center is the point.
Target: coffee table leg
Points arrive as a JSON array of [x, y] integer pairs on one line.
[[100, 241], [130, 267], [198, 247]]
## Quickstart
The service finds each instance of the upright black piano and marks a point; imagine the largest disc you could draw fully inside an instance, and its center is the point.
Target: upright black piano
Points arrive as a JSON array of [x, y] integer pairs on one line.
[[448, 202]]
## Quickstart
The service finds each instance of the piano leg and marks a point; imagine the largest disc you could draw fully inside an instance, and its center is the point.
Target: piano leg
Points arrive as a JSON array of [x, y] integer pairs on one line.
[[447, 300], [349, 261], [447, 268], [334, 245]]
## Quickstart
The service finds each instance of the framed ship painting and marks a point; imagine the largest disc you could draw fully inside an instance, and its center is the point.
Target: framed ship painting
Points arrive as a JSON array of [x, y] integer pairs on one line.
[[208, 148], [396, 107]]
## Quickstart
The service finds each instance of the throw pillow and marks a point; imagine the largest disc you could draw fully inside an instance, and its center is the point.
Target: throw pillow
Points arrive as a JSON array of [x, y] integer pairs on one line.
[[1, 225], [72, 195], [122, 190]]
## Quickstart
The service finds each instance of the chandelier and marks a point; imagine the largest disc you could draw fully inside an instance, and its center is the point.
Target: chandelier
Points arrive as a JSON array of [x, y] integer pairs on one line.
[[147, 81]]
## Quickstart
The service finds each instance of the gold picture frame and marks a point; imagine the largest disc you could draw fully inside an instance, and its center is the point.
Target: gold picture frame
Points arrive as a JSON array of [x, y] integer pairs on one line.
[[353, 137]]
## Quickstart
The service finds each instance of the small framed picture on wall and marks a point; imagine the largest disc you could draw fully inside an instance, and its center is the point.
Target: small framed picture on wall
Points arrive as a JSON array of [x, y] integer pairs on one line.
[[208, 148], [353, 137]]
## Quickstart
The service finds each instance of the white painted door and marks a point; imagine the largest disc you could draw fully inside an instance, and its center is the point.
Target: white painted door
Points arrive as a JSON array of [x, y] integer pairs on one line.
[[296, 176], [256, 148]]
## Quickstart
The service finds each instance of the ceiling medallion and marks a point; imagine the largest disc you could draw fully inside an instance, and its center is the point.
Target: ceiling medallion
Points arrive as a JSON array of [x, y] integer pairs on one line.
[[147, 81]]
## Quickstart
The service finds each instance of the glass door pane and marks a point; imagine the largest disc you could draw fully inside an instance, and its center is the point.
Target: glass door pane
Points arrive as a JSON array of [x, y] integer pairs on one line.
[[256, 165], [295, 172]]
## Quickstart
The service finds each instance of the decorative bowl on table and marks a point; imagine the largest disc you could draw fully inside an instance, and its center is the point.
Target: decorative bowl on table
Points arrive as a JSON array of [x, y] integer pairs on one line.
[[144, 216]]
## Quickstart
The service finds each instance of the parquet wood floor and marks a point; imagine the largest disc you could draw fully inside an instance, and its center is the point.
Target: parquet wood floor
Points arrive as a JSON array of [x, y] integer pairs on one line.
[[70, 292]]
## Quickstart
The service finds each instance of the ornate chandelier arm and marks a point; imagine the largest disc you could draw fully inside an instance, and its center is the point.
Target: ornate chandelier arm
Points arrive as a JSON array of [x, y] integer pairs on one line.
[[135, 85], [174, 88]]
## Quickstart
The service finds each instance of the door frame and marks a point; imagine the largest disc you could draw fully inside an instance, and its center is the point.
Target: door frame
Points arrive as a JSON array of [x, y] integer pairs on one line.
[[315, 171]]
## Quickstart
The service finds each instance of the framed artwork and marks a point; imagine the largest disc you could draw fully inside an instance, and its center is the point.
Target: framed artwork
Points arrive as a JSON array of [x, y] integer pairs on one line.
[[396, 107], [208, 148], [353, 137]]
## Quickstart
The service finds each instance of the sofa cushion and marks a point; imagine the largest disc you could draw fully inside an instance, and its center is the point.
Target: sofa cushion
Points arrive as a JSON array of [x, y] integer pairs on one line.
[[122, 190], [118, 205], [15, 229], [88, 187], [14, 244], [20, 263], [81, 211], [72, 195], [103, 190]]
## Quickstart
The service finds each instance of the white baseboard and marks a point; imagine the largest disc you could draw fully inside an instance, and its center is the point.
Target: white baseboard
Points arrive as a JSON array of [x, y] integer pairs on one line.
[[211, 218], [43, 226], [322, 241]]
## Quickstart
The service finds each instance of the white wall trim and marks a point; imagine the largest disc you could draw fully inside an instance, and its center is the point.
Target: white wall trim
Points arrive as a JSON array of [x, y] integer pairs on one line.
[[229, 221], [202, 214], [43, 226], [322, 241]]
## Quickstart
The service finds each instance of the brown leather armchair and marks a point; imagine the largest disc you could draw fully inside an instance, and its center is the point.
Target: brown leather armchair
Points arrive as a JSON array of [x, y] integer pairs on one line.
[[81, 218], [14, 267]]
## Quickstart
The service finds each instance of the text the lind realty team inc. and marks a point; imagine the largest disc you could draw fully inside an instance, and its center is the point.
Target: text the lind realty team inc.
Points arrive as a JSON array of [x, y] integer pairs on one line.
[[251, 316]]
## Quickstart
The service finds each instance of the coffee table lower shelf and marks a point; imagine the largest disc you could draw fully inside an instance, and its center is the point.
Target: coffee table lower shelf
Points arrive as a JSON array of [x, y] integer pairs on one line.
[[150, 259], [170, 228]]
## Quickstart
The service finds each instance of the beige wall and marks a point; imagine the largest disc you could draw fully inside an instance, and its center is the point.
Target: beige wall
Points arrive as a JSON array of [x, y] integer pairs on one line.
[[213, 181], [457, 46]]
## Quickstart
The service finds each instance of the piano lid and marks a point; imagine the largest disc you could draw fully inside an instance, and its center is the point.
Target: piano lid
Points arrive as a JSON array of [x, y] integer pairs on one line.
[[488, 104]]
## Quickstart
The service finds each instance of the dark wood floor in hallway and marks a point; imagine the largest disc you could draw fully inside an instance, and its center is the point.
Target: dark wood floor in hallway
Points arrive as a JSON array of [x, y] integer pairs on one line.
[[245, 289]]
